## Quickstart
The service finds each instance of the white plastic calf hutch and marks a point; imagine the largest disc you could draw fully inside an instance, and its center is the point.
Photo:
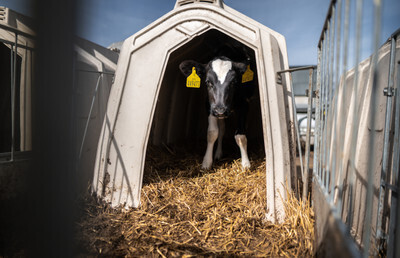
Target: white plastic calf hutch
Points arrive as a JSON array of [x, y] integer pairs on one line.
[[94, 67], [149, 103]]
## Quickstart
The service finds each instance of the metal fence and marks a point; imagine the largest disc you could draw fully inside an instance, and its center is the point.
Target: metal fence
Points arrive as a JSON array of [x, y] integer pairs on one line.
[[304, 162], [15, 76], [356, 151], [18, 85]]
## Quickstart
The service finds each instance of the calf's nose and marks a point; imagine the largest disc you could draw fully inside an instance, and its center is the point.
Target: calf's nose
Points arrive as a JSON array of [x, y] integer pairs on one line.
[[219, 110]]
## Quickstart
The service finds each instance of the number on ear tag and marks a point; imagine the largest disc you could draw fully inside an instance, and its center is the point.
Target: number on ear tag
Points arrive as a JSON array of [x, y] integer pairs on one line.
[[248, 75], [193, 80]]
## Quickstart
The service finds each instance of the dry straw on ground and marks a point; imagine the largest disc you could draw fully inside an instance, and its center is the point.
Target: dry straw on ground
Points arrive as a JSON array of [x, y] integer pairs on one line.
[[190, 212]]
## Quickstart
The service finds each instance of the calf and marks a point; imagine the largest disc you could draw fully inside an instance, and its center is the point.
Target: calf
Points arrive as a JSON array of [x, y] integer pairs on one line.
[[226, 93]]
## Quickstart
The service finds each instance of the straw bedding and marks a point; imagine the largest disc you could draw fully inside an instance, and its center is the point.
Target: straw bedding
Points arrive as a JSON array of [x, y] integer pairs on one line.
[[188, 212]]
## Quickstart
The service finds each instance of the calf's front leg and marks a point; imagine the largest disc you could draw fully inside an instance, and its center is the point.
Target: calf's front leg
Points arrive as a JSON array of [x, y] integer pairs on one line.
[[240, 136], [241, 141], [212, 135]]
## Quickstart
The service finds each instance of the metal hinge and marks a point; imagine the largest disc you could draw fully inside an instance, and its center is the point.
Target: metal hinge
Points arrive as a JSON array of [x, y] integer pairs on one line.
[[391, 187], [388, 91], [313, 93]]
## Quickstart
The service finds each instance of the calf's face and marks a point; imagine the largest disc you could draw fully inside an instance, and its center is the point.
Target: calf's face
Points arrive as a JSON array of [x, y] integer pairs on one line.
[[221, 76]]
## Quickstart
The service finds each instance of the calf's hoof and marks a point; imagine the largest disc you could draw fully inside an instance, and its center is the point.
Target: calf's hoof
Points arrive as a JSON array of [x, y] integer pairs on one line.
[[206, 164], [246, 164]]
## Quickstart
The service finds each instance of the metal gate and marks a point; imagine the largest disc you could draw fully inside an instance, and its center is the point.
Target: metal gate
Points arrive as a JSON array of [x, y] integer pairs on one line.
[[356, 151]]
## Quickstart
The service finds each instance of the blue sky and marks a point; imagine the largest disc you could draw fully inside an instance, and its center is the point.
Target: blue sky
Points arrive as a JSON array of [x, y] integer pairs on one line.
[[283, 16], [300, 21]]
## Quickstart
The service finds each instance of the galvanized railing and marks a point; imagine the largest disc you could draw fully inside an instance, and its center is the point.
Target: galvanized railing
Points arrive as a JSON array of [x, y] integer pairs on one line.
[[14, 46], [337, 157], [9, 156], [304, 167]]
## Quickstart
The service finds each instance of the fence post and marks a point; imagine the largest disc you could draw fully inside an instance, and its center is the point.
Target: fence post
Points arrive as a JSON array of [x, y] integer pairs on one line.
[[309, 118], [385, 173], [394, 234]]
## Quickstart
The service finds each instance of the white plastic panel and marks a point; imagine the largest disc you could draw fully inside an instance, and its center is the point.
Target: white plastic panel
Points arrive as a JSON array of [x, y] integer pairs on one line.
[[140, 76]]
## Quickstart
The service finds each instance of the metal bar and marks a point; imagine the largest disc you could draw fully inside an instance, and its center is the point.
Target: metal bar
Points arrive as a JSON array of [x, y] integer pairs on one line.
[[338, 199], [309, 117], [321, 118], [371, 160], [13, 89], [328, 16], [302, 167], [354, 132], [325, 115], [335, 111], [13, 43], [394, 235], [321, 103], [297, 69], [380, 235], [11, 93], [296, 127], [90, 113], [329, 101], [317, 117], [321, 100], [13, 97], [327, 106]]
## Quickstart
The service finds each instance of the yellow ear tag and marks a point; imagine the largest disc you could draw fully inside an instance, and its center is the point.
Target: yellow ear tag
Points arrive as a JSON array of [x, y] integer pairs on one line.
[[193, 80], [248, 75]]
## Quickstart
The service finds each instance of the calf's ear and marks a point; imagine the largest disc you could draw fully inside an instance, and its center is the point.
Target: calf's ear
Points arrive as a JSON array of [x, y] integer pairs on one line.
[[240, 67], [187, 66]]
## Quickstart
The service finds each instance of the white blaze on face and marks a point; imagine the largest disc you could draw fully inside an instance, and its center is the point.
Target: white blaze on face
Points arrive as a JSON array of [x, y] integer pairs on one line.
[[221, 69]]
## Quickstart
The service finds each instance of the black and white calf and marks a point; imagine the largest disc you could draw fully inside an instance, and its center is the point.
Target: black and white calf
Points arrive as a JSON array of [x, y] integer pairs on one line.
[[226, 93]]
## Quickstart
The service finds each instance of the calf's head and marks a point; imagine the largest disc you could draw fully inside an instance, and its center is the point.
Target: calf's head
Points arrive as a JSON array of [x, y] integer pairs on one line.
[[221, 76]]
